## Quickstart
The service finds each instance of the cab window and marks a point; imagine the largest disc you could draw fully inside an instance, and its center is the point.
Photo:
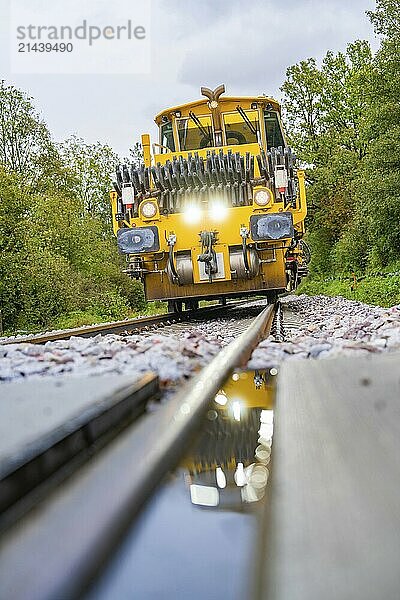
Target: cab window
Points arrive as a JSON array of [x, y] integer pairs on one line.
[[195, 132], [167, 136], [241, 127], [273, 130]]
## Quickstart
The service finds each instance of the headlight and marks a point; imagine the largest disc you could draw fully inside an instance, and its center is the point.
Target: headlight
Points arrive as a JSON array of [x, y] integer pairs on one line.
[[138, 239], [217, 211], [148, 209], [274, 226], [262, 197], [192, 214]]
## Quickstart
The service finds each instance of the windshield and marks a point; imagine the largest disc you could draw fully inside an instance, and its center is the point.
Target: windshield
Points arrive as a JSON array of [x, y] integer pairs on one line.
[[241, 127], [273, 130], [195, 132]]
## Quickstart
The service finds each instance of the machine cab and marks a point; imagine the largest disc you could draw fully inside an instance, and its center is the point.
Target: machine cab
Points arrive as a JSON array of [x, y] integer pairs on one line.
[[220, 122]]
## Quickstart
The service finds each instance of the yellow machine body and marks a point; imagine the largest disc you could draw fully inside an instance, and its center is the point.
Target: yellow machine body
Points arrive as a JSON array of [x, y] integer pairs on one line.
[[206, 228]]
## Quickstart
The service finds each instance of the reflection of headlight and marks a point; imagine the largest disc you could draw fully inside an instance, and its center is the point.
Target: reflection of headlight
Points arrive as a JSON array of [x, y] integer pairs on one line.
[[275, 226], [236, 409], [192, 213], [220, 477], [204, 495], [240, 476], [262, 197], [138, 239], [221, 398], [217, 211], [148, 209]]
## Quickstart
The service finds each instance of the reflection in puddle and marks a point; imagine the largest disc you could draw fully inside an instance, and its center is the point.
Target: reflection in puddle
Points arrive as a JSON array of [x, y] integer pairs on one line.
[[198, 533], [228, 466]]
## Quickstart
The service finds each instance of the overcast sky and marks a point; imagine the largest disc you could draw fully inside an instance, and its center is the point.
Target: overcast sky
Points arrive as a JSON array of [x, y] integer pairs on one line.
[[246, 45]]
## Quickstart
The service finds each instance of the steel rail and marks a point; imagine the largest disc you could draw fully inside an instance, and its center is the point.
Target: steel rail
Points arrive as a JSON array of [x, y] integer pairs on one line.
[[121, 326], [62, 547]]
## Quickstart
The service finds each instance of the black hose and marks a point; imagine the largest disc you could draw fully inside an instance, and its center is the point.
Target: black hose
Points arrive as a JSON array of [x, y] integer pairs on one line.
[[172, 264], [245, 257]]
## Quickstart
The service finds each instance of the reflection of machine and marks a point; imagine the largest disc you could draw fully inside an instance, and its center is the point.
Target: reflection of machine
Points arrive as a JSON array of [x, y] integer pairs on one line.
[[218, 208], [228, 465]]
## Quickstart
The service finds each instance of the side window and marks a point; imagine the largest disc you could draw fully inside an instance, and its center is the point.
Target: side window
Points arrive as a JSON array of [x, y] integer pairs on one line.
[[273, 130], [167, 136]]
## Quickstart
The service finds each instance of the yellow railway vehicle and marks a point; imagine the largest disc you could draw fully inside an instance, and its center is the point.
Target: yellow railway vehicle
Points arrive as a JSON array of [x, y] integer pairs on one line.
[[217, 207]]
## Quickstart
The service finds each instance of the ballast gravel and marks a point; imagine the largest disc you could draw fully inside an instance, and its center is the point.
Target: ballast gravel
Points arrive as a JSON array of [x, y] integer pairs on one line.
[[318, 327], [174, 357], [321, 327]]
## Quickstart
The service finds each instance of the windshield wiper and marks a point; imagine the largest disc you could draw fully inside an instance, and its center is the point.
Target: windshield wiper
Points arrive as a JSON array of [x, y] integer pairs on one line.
[[197, 122], [246, 120]]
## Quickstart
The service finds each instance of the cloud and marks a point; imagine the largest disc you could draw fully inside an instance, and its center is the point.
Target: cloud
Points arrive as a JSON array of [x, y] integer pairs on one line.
[[246, 45], [252, 48]]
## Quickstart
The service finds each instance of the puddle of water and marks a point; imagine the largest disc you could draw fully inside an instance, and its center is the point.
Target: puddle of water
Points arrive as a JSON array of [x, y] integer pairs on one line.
[[228, 466], [196, 538]]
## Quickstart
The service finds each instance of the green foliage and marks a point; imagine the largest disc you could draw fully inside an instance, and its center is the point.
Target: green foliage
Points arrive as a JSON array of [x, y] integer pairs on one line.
[[344, 124], [24, 138], [76, 318], [58, 260], [323, 106], [386, 18], [302, 105], [109, 304], [379, 183], [92, 166], [379, 291], [48, 289]]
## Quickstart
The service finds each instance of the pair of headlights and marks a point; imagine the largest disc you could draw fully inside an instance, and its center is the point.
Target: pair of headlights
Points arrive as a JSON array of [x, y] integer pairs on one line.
[[262, 197]]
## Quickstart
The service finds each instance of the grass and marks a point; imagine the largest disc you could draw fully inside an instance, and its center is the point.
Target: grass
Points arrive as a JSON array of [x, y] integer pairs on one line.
[[371, 289], [80, 318]]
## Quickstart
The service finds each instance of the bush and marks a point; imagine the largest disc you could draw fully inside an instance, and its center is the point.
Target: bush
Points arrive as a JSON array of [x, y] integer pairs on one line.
[[48, 287], [109, 304], [132, 290]]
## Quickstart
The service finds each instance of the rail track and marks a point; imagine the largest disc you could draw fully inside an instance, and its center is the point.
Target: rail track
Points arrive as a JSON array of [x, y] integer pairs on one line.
[[76, 492], [125, 326]]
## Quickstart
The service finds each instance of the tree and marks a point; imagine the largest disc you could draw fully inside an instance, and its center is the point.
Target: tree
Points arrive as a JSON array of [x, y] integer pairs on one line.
[[325, 107], [345, 97], [25, 143], [57, 253], [379, 186], [386, 18], [302, 106], [135, 156], [92, 167]]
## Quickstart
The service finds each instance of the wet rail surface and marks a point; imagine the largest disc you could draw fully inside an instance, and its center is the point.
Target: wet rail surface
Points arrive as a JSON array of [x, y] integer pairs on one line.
[[151, 450]]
